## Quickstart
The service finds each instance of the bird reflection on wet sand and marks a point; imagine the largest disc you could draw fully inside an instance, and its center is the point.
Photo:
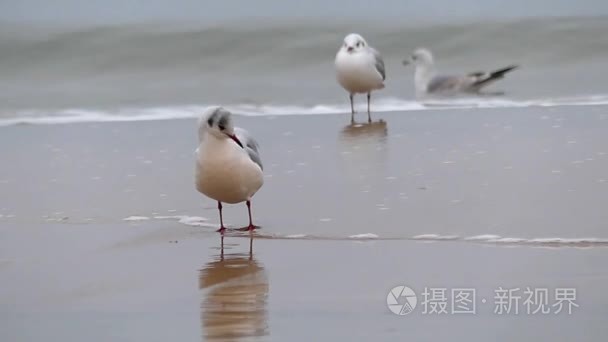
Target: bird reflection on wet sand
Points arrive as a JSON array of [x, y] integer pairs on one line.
[[376, 129], [363, 151], [235, 289]]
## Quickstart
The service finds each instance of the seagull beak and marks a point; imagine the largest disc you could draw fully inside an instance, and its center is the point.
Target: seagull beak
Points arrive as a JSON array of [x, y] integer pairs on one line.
[[406, 62], [350, 49], [236, 140]]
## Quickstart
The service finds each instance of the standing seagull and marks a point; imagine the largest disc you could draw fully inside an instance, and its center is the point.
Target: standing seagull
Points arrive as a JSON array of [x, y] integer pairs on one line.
[[228, 165], [360, 69], [427, 81]]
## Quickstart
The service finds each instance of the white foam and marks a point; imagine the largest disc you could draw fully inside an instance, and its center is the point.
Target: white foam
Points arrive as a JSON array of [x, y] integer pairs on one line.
[[136, 218], [85, 115], [169, 217], [196, 221], [435, 237], [482, 237], [568, 241], [57, 219], [193, 221], [40, 117], [556, 241], [295, 236], [364, 236], [507, 240], [425, 237]]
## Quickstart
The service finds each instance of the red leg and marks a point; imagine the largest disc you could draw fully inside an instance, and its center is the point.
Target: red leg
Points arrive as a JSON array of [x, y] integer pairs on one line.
[[352, 109], [369, 117], [249, 211], [251, 226], [222, 228]]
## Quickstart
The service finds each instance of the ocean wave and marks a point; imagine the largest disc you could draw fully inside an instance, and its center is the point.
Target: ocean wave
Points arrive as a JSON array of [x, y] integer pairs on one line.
[[141, 46], [435, 237], [287, 62], [40, 117], [364, 236]]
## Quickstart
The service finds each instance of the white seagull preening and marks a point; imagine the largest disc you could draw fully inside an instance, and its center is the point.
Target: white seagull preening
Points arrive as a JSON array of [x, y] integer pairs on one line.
[[360, 69], [427, 81], [228, 164]]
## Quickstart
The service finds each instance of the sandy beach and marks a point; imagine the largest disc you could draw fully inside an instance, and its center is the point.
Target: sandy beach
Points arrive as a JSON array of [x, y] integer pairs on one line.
[[131, 283], [103, 236], [451, 217]]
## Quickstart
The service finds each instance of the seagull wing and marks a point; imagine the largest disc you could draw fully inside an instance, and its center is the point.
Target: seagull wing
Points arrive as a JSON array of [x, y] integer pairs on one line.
[[378, 62], [249, 145]]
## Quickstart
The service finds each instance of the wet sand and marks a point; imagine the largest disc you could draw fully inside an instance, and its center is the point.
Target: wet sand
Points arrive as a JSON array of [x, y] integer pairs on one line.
[[348, 212], [516, 172], [132, 282]]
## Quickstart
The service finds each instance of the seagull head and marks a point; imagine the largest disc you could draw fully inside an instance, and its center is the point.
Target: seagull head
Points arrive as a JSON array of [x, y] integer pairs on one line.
[[353, 43], [217, 121], [421, 56]]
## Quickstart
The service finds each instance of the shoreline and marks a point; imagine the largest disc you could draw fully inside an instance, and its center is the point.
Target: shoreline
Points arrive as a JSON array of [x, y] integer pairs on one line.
[[383, 105]]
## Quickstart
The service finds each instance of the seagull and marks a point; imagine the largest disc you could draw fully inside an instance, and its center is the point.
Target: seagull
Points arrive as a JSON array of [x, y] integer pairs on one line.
[[427, 81], [359, 69], [228, 164]]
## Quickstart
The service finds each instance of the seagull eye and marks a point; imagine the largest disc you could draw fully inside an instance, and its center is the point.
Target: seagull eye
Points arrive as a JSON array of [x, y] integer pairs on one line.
[[210, 122], [221, 127], [358, 44]]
